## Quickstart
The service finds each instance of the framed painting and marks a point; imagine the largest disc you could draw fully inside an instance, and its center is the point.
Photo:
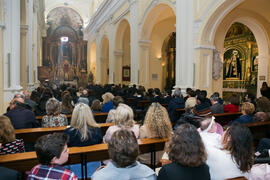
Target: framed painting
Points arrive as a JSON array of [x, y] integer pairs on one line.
[[126, 73]]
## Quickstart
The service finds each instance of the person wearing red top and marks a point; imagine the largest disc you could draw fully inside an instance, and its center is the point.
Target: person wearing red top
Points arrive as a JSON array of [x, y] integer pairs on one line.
[[234, 104]]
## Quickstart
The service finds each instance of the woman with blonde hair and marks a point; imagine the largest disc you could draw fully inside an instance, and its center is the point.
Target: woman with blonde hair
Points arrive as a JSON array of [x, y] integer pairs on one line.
[[157, 124], [83, 131], [53, 117], [124, 119], [247, 110], [10, 145], [107, 102]]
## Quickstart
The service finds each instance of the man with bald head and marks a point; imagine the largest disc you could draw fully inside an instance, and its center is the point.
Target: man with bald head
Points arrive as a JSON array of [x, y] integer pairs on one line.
[[19, 115]]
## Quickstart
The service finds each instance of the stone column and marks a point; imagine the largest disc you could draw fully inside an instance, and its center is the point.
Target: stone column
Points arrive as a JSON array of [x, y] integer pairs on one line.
[[30, 83], [145, 44], [11, 49], [111, 53], [184, 44], [2, 26], [98, 59], [34, 45], [134, 38], [118, 58], [23, 56]]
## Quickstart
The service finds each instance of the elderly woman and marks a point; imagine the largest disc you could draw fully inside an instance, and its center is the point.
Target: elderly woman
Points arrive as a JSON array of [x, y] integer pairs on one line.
[[188, 156], [107, 102], [53, 117], [123, 150], [123, 120], [157, 124], [111, 115], [83, 131], [247, 110], [10, 145]]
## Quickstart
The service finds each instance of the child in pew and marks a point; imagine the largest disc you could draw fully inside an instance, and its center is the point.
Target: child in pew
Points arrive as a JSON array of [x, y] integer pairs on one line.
[[52, 152], [123, 150]]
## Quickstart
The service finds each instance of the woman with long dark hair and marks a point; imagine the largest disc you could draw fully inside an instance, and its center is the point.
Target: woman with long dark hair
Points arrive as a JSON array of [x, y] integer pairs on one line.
[[235, 154], [188, 156]]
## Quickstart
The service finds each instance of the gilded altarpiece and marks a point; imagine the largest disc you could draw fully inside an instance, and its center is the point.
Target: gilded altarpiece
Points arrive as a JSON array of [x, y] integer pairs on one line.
[[240, 65], [64, 50]]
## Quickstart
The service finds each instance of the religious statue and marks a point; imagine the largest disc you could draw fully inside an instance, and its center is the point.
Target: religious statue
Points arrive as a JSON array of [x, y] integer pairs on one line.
[[233, 66], [217, 65]]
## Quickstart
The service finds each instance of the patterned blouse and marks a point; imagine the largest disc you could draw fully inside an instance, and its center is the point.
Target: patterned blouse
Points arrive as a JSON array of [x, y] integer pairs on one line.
[[13, 147], [54, 121]]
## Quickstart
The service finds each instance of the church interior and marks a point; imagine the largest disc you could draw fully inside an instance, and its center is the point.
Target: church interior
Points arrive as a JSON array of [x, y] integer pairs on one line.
[[216, 46]]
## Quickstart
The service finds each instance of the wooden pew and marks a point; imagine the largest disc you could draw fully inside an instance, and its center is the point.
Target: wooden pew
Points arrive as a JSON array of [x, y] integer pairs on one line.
[[99, 117], [25, 161], [224, 118], [259, 130], [30, 135], [142, 104]]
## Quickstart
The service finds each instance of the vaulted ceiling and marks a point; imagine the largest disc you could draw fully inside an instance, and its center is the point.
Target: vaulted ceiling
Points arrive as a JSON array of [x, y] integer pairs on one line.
[[85, 8]]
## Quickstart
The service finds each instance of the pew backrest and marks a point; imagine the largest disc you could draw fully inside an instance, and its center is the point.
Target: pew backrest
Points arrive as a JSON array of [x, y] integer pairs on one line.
[[225, 118], [30, 135], [100, 117], [25, 161], [259, 130]]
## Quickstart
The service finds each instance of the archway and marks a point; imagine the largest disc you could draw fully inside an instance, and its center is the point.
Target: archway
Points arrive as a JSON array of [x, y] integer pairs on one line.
[[240, 67], [122, 52], [64, 50], [168, 61], [213, 32], [104, 61], [158, 25]]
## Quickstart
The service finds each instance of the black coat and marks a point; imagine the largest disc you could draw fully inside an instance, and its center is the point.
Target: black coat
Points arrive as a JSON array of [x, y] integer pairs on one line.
[[21, 118], [175, 103], [176, 171]]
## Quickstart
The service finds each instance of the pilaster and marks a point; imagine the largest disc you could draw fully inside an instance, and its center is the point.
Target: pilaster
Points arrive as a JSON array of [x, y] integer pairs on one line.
[[144, 45], [134, 38], [12, 49], [118, 57], [184, 44]]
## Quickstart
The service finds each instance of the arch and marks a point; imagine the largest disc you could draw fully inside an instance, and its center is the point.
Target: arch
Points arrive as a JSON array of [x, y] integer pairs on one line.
[[157, 26], [122, 27], [214, 30], [73, 8], [151, 17]]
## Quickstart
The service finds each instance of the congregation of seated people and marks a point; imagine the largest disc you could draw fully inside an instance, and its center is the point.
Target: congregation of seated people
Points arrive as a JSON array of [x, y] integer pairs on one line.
[[197, 147]]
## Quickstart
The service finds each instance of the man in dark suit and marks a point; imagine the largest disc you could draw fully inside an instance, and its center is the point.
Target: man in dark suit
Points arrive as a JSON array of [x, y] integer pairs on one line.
[[216, 107], [20, 116]]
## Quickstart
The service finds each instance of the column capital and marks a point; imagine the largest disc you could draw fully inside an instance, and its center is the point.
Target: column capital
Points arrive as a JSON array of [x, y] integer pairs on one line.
[[24, 29], [145, 43], [118, 53]]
